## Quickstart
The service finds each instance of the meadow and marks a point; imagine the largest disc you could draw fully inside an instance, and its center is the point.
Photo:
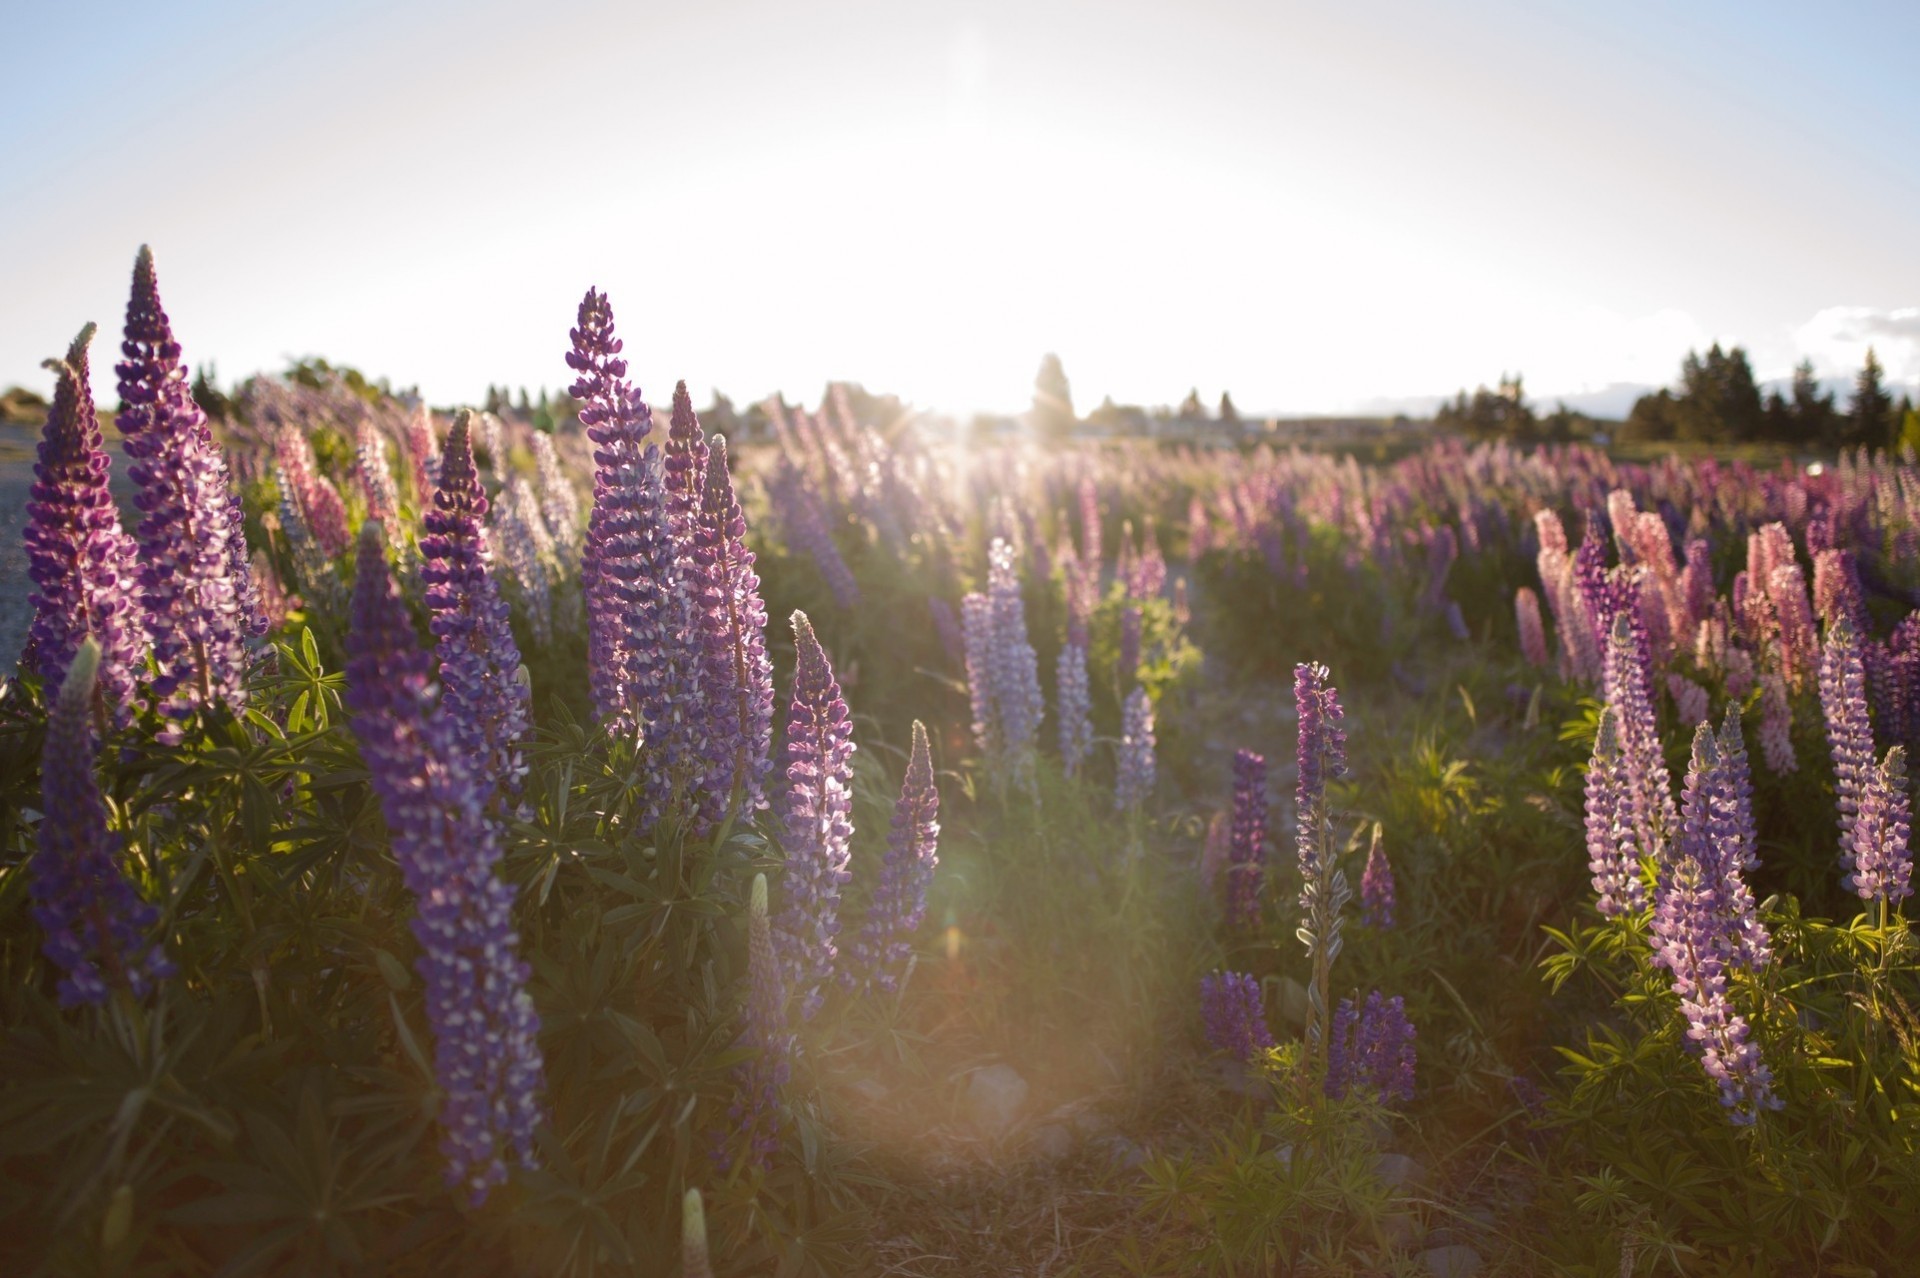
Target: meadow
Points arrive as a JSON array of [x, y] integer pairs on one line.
[[431, 843]]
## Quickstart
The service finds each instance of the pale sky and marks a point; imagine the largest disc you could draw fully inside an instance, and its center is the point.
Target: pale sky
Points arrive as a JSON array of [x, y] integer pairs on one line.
[[1314, 206]]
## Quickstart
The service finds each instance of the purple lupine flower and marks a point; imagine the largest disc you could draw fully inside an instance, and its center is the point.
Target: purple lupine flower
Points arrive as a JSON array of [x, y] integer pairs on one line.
[[906, 872], [1372, 1050], [1690, 700], [1843, 699], [1016, 674], [1247, 850], [1710, 833], [370, 471], [94, 921], [486, 1050], [1613, 850], [195, 584], [755, 1113], [559, 504], [486, 706], [1776, 724], [806, 530], [1073, 708], [1133, 775], [1231, 1009], [815, 808], [1128, 669], [625, 554], [1376, 885], [947, 626], [685, 465], [1526, 614], [519, 535], [976, 624], [79, 559], [1880, 857], [738, 679], [1322, 756], [1794, 617], [1649, 789], [1733, 753], [1690, 942]]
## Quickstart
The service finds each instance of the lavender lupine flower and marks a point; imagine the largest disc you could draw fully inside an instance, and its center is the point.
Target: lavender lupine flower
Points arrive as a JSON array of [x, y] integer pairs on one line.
[[486, 1050], [976, 625], [1690, 942], [516, 532], [1733, 753], [312, 568], [1650, 791], [1324, 893], [1372, 1050], [1129, 661], [317, 500], [755, 1114], [738, 680], [79, 559], [1526, 614], [1843, 698], [94, 921], [1690, 700], [815, 808], [1247, 849], [906, 872], [195, 585], [805, 525], [484, 703], [625, 552], [1710, 833], [1231, 1009], [1613, 852], [1133, 775], [1016, 674], [559, 504], [1074, 707], [1376, 885], [370, 471], [1776, 724], [1880, 858]]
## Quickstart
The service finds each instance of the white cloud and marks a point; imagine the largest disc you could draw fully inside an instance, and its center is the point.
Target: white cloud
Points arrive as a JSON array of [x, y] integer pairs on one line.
[[1836, 340]]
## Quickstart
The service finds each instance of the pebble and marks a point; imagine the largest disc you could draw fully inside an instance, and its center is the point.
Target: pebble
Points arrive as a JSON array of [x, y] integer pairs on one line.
[[1051, 1143], [1398, 1171], [1451, 1262], [994, 1098]]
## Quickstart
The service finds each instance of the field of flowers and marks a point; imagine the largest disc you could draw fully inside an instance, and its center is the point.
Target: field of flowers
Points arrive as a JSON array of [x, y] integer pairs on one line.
[[434, 844]]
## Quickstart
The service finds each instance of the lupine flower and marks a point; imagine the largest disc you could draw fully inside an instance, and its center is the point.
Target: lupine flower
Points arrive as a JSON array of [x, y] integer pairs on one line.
[[1248, 844], [805, 526], [1133, 777], [694, 1260], [1235, 1020], [1733, 753], [486, 706], [755, 1114], [947, 626], [318, 501], [1690, 942], [906, 872], [275, 602], [1199, 530], [312, 567], [737, 684], [1003, 678], [1074, 709], [1689, 698], [370, 471], [1376, 885], [1323, 892], [1613, 852], [1371, 1050], [486, 1049], [626, 555], [1798, 639], [1843, 698], [1533, 639], [815, 808], [527, 552], [1129, 662], [79, 559], [94, 921], [195, 585], [559, 504], [1710, 833], [1776, 725], [423, 456], [976, 624], [1880, 858], [1091, 552], [1650, 791]]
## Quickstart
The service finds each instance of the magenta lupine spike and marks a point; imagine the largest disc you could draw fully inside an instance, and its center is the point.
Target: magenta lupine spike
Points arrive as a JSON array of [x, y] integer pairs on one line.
[[1376, 886], [1880, 856], [317, 500], [1690, 942], [80, 560], [1776, 725], [815, 807], [1247, 847], [755, 1114], [1696, 583], [423, 457], [1199, 530], [906, 872], [484, 702], [1073, 708], [1690, 700], [1533, 639], [1232, 1012], [1799, 642], [1613, 852], [1134, 772], [1650, 790], [625, 544], [94, 922], [1837, 591], [486, 1050], [738, 682], [371, 472], [1843, 699], [1371, 1050], [194, 586]]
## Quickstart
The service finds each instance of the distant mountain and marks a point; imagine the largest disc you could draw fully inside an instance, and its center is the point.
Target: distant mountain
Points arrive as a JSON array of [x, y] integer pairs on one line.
[[1615, 400]]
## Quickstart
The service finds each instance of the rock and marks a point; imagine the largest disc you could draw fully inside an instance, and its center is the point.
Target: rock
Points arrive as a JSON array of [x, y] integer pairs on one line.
[[1091, 1122], [1051, 1143], [1397, 1171], [1284, 1155], [1400, 1230], [1451, 1262], [994, 1098]]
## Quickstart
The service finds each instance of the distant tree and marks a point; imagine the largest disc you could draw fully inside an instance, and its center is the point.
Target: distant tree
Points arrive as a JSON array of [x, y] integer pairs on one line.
[[1191, 409], [1228, 413], [1053, 418], [1870, 411], [18, 404], [1564, 425], [1777, 419], [720, 416], [1718, 401], [1815, 424], [1653, 417], [207, 395], [1491, 414], [1910, 426]]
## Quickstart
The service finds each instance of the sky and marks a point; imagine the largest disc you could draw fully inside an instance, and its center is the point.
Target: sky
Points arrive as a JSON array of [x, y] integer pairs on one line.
[[1320, 208]]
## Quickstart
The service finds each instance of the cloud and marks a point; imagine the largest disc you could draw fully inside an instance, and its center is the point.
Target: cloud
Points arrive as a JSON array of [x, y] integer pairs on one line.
[[1836, 340]]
